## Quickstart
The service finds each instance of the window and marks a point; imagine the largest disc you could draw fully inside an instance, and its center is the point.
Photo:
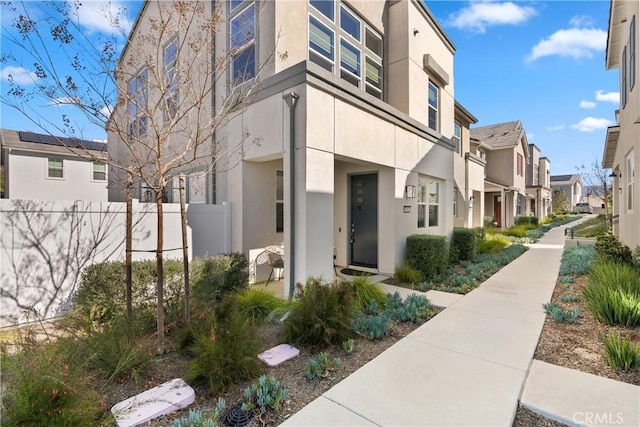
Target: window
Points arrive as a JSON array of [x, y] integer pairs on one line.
[[536, 174], [428, 203], [137, 105], [279, 201], [520, 165], [457, 140], [623, 78], [171, 80], [519, 204], [455, 202], [242, 43], [99, 171], [433, 106], [630, 172], [632, 53], [357, 47], [55, 168]]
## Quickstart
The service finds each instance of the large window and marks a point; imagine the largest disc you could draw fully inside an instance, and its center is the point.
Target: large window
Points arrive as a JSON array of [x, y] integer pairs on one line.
[[242, 44], [55, 167], [137, 105], [455, 202], [632, 53], [457, 137], [623, 78], [520, 165], [99, 171], [171, 80], [630, 173], [279, 201], [433, 106], [342, 43], [536, 174], [428, 203]]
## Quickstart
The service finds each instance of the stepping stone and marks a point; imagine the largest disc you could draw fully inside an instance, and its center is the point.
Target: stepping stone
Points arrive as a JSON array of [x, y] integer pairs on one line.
[[278, 354], [153, 403]]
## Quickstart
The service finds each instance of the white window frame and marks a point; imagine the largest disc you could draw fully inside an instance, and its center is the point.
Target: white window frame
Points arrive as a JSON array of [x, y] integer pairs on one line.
[[354, 16], [322, 56], [239, 50], [94, 171], [357, 77], [431, 107], [171, 95], [332, 19], [279, 201], [536, 174], [632, 53], [629, 178], [457, 136], [623, 78], [425, 202], [138, 121], [55, 168]]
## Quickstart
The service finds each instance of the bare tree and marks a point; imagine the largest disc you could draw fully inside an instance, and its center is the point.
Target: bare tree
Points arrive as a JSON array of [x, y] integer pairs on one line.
[[156, 98], [598, 183]]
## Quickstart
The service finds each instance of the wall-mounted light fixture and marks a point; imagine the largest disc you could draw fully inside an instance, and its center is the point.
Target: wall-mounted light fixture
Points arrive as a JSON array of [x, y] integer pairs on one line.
[[406, 209], [615, 174], [410, 192]]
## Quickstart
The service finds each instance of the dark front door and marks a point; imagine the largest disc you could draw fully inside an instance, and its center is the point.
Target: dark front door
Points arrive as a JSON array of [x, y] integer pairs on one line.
[[364, 220], [497, 210]]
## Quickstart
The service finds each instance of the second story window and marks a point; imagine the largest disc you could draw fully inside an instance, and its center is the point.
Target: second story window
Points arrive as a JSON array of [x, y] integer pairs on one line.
[[520, 165], [243, 45], [630, 173], [99, 171], [171, 80], [536, 174], [342, 43], [433, 106], [457, 137], [55, 167], [623, 78], [137, 105], [632, 53]]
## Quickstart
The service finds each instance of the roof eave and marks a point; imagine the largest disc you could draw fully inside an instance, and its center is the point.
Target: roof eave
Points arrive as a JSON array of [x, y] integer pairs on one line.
[[610, 146]]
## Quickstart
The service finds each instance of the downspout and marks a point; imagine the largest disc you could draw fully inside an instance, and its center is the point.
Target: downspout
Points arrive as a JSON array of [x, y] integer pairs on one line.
[[291, 100]]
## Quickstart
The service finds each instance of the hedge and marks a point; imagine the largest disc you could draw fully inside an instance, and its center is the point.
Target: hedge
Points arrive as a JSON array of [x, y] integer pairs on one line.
[[527, 220], [427, 254], [463, 244]]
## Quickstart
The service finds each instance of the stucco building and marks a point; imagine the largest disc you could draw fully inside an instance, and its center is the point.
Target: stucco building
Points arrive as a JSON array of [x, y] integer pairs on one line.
[[622, 144], [357, 129], [538, 179], [571, 186]]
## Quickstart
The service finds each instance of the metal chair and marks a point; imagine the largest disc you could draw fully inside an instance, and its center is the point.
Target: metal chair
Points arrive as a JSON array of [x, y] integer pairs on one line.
[[275, 259]]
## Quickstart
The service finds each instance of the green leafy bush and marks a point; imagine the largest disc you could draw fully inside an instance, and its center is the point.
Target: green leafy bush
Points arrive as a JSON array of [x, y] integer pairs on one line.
[[364, 291], [266, 394], [322, 315], [196, 419], [320, 366], [511, 253], [226, 354], [527, 220], [463, 244], [428, 254], [567, 279], [622, 354], [349, 345], [577, 260], [561, 315], [404, 273], [518, 230], [569, 298], [372, 326], [609, 246], [214, 278], [414, 308], [480, 234], [534, 234], [493, 243], [613, 293], [256, 303]]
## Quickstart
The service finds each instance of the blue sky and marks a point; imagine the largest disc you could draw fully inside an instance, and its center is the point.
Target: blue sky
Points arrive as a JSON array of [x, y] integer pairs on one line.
[[534, 61]]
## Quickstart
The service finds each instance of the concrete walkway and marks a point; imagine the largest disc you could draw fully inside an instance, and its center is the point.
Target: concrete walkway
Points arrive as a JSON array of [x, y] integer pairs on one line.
[[465, 367]]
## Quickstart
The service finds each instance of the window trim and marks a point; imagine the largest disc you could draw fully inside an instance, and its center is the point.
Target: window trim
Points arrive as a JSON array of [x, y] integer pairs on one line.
[[140, 114], [632, 53], [93, 172], [333, 53], [239, 50], [359, 52], [170, 97], [49, 168], [436, 108], [629, 184], [354, 16], [424, 181], [623, 78], [333, 20], [455, 202], [457, 136]]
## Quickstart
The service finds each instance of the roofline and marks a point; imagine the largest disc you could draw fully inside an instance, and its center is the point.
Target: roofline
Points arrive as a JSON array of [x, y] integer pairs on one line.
[[465, 112], [610, 146], [431, 19], [134, 27]]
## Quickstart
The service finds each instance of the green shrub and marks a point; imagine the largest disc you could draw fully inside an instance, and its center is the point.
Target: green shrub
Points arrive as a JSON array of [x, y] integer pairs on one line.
[[567, 279], [569, 298], [46, 384], [372, 326], [535, 234], [463, 244], [492, 244], [320, 366], [214, 278], [414, 308], [349, 345], [256, 303], [404, 273], [609, 246], [577, 260], [561, 315], [322, 316], [622, 354], [226, 354], [480, 234], [527, 220], [511, 253], [428, 254], [518, 230], [195, 418], [364, 291], [266, 394], [613, 293]]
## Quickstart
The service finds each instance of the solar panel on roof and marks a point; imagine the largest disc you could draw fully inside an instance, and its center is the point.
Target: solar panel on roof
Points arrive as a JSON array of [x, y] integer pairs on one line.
[[61, 142]]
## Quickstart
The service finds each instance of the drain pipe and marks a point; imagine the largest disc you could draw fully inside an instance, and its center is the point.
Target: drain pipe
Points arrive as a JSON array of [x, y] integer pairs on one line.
[[291, 100]]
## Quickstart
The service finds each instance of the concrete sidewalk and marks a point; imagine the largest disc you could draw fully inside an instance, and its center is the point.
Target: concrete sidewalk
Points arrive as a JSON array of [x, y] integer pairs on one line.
[[465, 367]]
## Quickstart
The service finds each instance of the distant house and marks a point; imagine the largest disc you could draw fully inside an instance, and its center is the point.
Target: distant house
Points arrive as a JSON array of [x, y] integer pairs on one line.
[[591, 195], [507, 152], [570, 185], [43, 167], [622, 144], [538, 181]]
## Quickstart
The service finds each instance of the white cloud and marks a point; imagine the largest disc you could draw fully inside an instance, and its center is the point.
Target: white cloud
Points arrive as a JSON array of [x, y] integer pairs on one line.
[[582, 21], [106, 111], [19, 75], [573, 42], [96, 16], [590, 124], [480, 15], [588, 104], [555, 128], [613, 97]]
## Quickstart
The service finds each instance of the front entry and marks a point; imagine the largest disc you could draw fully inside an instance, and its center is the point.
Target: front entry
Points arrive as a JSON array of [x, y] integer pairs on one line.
[[364, 220], [497, 210]]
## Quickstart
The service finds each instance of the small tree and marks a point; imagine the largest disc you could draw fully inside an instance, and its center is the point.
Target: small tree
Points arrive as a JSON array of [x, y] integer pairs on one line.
[[154, 99], [598, 183], [560, 203]]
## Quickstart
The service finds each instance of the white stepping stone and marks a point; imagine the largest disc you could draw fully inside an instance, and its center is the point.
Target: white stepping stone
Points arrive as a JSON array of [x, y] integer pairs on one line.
[[153, 403], [278, 354]]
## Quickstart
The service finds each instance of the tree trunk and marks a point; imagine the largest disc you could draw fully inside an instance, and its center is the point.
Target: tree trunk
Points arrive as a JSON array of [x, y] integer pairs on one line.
[[185, 250], [160, 272], [129, 244]]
